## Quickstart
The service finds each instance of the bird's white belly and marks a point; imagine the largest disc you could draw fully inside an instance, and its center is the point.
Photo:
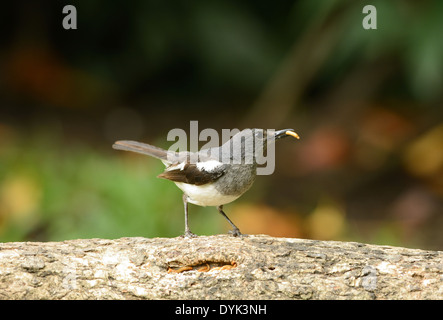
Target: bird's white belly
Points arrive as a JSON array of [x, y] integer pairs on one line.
[[205, 195]]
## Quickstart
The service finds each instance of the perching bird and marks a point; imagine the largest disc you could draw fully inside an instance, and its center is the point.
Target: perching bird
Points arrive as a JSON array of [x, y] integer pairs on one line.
[[213, 176]]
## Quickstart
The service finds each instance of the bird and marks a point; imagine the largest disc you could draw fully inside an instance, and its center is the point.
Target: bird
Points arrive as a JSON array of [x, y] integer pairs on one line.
[[213, 176]]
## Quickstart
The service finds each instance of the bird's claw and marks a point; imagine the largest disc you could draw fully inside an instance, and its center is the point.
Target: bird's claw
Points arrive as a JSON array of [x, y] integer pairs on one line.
[[235, 232], [188, 235]]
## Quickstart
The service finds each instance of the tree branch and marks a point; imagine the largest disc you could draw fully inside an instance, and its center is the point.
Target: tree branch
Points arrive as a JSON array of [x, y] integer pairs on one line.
[[217, 267]]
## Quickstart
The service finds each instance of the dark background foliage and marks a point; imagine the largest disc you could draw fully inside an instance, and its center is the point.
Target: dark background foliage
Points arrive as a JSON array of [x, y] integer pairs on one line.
[[366, 103]]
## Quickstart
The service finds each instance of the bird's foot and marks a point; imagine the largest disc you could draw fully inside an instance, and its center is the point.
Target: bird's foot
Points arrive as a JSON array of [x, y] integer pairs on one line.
[[235, 232], [188, 235]]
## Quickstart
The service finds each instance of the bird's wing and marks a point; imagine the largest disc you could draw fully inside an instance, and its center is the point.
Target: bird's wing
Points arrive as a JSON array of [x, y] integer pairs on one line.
[[199, 173]]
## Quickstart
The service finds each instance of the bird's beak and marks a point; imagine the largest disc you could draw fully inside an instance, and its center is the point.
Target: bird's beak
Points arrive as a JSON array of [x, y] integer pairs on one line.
[[286, 132]]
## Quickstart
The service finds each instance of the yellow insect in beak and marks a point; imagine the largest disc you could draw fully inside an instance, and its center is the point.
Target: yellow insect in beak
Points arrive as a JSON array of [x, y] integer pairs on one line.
[[292, 133]]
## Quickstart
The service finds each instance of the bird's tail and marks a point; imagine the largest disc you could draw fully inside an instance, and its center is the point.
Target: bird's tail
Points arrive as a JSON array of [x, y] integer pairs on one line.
[[142, 148]]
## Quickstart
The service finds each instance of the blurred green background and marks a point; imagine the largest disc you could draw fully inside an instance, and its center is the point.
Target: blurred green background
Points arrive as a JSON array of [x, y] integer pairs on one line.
[[368, 105]]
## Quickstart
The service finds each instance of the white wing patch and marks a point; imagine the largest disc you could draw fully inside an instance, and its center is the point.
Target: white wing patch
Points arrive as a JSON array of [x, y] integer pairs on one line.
[[209, 165], [179, 166]]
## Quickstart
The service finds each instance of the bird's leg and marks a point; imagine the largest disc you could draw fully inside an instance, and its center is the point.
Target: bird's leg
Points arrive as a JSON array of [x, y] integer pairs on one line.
[[235, 231], [188, 233]]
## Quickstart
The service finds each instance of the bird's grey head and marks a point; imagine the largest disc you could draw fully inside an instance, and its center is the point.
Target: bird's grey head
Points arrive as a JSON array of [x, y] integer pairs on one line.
[[249, 145]]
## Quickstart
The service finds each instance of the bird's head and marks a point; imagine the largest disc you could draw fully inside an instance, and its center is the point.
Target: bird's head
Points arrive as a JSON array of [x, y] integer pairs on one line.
[[253, 143]]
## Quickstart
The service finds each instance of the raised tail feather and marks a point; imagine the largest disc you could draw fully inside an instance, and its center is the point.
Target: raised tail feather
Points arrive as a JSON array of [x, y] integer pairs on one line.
[[142, 148]]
